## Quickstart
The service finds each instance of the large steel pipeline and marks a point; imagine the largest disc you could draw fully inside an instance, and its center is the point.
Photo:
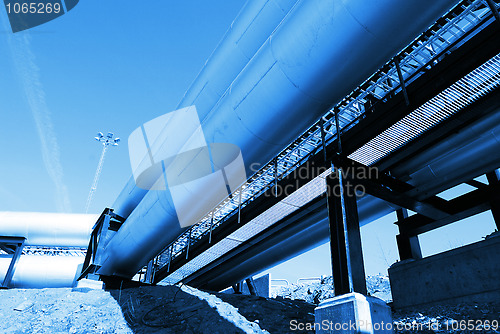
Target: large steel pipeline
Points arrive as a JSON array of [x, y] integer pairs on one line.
[[41, 271], [440, 167], [252, 26], [317, 55], [48, 229]]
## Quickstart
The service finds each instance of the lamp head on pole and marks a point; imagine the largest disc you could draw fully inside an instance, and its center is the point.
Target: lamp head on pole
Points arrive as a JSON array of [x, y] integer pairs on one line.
[[108, 139]]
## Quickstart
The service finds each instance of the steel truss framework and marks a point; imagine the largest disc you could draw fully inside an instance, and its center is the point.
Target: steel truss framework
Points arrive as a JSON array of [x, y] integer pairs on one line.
[[405, 84]]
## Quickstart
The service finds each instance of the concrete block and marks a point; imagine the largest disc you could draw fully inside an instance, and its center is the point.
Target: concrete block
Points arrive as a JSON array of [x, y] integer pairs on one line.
[[467, 274], [353, 313]]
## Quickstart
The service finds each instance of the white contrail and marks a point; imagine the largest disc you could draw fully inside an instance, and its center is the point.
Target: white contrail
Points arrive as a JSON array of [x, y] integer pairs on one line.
[[29, 74]]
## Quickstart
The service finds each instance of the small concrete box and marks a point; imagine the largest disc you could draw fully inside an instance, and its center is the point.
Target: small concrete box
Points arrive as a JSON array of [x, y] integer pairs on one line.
[[353, 313]]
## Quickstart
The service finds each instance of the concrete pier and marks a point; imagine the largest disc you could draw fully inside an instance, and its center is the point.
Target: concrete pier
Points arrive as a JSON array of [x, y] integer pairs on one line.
[[463, 275], [353, 313]]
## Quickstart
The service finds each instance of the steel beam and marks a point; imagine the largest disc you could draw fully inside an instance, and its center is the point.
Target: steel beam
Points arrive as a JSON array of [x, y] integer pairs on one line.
[[251, 286], [464, 206], [408, 246], [345, 238], [7, 248], [494, 179], [401, 81], [390, 189], [18, 244], [493, 9]]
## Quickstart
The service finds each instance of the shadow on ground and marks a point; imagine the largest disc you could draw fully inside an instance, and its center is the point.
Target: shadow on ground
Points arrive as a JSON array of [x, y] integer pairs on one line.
[[168, 309]]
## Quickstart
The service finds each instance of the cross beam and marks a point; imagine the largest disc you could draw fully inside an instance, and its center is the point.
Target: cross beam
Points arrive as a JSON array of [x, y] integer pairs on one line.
[[390, 189], [16, 244], [464, 206]]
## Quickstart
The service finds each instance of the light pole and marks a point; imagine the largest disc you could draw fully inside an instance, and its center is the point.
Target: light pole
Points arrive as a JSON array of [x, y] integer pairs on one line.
[[106, 142]]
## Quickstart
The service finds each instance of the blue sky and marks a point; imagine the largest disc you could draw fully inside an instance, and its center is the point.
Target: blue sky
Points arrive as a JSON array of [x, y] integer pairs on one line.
[[101, 67], [108, 67]]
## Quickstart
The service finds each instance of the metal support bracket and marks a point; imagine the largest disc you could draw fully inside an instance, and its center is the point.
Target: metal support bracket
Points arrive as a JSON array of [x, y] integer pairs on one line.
[[211, 228], [169, 258], [401, 80], [323, 141], [275, 178], [493, 9], [188, 243], [251, 286], [14, 246]]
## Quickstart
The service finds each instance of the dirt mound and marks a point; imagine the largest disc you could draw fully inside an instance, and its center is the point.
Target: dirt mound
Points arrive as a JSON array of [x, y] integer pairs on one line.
[[167, 309], [273, 315]]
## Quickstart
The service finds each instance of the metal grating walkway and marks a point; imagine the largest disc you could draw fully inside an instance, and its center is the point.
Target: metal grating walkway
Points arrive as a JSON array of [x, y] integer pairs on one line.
[[453, 99]]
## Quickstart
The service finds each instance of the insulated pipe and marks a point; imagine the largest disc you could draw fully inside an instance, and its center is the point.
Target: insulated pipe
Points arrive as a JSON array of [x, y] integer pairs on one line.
[[48, 229], [317, 55], [41, 271], [477, 140], [253, 25]]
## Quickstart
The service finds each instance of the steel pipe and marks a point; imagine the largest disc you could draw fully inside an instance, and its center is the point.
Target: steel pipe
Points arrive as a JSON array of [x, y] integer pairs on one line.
[[40, 271], [48, 229]]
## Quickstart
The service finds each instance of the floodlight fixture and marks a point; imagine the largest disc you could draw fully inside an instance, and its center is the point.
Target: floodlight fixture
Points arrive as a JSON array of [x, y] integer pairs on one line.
[[106, 141]]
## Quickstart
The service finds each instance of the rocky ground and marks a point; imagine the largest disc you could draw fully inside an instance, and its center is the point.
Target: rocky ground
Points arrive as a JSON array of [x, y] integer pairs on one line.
[[174, 309], [460, 318], [317, 291], [54, 311]]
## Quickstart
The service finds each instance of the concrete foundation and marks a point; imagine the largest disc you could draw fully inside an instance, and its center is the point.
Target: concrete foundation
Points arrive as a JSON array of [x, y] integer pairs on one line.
[[353, 313], [468, 274]]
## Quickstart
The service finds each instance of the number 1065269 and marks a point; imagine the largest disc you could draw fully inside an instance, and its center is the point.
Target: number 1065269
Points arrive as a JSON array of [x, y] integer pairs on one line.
[[33, 8]]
